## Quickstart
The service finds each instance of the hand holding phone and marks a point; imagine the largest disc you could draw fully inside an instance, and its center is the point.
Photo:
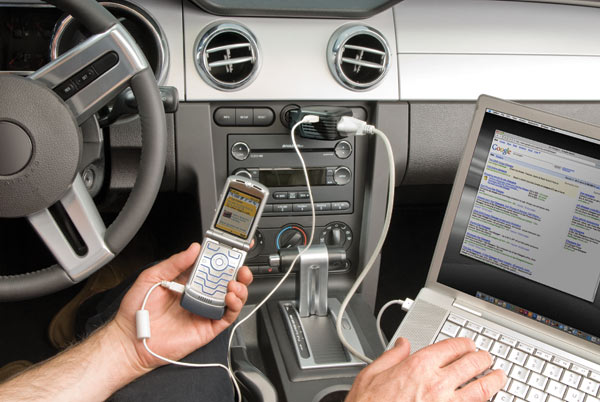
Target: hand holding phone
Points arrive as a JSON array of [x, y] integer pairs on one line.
[[225, 246]]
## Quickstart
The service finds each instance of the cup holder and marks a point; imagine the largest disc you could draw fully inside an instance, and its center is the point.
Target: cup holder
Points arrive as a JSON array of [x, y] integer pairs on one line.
[[336, 393]]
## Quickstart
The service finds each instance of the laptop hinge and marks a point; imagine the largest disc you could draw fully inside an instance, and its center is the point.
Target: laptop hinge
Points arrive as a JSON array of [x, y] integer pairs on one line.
[[467, 309]]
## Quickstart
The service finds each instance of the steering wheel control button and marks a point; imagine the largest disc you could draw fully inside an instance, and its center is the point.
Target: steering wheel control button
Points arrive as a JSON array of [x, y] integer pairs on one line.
[[105, 63], [225, 116], [16, 148], [263, 117], [240, 151], [219, 262], [343, 149], [66, 90], [342, 176], [244, 117]]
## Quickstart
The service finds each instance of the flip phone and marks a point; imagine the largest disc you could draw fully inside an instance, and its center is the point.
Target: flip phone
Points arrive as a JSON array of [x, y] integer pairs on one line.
[[225, 246]]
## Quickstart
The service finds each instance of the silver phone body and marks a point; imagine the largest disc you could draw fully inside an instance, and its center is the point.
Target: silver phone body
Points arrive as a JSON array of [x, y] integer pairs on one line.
[[225, 246]]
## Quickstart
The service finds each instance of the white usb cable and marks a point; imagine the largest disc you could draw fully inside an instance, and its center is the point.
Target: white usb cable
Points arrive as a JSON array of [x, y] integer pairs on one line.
[[142, 316]]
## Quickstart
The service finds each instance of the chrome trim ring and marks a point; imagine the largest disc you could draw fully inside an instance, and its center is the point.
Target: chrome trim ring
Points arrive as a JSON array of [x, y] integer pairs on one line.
[[335, 49], [201, 59]]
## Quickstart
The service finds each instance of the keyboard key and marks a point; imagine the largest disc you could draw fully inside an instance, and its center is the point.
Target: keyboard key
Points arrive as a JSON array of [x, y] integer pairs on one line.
[[552, 371], [502, 396], [507, 384], [491, 334], [535, 364], [590, 387], [595, 376], [535, 395], [543, 355], [467, 333], [502, 365], [500, 350], [553, 399], [441, 337], [508, 341], [457, 320], [483, 342], [538, 381], [517, 356], [591, 399], [518, 389], [580, 370], [571, 379], [450, 329], [561, 362], [525, 348], [474, 327], [519, 373], [574, 395], [557, 389]]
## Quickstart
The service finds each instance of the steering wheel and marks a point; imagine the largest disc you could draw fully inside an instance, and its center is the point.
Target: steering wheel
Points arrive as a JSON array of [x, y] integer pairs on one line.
[[41, 144]]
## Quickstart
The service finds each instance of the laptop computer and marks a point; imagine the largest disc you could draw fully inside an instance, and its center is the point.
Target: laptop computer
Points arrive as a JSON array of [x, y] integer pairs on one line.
[[517, 263]]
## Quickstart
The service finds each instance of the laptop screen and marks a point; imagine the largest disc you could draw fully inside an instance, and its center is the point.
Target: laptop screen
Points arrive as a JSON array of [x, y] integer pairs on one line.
[[526, 235]]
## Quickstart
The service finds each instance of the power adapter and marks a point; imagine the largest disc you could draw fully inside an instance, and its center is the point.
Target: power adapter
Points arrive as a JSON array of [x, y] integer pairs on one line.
[[326, 127]]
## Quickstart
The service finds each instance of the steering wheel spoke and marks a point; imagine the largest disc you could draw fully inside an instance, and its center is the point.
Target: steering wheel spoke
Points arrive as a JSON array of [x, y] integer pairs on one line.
[[88, 76], [74, 232]]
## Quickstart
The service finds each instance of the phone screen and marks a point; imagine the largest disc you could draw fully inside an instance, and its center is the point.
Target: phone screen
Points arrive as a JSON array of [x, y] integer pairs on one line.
[[238, 213]]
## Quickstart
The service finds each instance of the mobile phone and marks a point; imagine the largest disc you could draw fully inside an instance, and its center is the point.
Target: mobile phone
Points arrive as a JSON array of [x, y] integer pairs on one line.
[[225, 246]]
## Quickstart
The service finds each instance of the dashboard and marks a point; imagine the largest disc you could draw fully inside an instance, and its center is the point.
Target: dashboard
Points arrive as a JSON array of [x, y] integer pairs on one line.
[[413, 68]]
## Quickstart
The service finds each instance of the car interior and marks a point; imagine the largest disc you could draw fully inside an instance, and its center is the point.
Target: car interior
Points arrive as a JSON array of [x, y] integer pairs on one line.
[[104, 175]]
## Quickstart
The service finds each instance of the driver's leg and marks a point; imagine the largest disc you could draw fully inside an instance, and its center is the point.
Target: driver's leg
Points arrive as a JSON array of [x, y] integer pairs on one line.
[[167, 383]]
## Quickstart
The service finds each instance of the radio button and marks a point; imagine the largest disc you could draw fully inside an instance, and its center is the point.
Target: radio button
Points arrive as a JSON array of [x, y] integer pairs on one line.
[[240, 151], [282, 207], [263, 117], [303, 194], [343, 149], [225, 116], [323, 206], [292, 195], [280, 195], [244, 117], [340, 205], [342, 176], [330, 180], [268, 208], [301, 207]]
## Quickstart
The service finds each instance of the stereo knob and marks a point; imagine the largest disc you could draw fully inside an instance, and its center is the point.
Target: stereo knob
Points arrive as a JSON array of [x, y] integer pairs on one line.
[[342, 176], [243, 173], [240, 151], [291, 236], [336, 234], [343, 149]]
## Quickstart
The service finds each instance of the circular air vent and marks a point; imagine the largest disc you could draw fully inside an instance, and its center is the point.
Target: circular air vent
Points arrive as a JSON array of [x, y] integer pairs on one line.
[[358, 57], [226, 56]]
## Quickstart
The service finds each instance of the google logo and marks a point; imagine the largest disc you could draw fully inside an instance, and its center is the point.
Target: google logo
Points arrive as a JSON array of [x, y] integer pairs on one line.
[[505, 151]]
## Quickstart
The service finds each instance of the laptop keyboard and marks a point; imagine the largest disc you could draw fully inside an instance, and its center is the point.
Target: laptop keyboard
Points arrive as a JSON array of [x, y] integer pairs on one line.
[[534, 375]]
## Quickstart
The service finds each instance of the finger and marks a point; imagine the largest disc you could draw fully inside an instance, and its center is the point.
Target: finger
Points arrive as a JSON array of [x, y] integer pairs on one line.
[[447, 351], [170, 268], [245, 276], [390, 358], [467, 367], [239, 290], [484, 388], [234, 304]]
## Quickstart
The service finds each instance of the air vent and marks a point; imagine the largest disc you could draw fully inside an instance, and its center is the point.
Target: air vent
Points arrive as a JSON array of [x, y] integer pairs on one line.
[[227, 56], [358, 57]]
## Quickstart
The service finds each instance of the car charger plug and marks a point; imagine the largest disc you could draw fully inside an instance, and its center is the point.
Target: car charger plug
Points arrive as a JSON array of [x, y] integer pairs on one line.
[[323, 129], [349, 125]]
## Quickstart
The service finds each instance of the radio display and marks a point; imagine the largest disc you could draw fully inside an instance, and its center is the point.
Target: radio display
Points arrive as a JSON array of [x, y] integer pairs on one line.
[[292, 177]]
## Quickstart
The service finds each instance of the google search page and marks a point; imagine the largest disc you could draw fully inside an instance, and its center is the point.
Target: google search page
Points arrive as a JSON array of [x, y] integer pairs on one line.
[[537, 215]]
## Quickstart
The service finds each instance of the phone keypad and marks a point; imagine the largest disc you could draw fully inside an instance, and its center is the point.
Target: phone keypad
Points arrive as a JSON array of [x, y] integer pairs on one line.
[[217, 266]]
